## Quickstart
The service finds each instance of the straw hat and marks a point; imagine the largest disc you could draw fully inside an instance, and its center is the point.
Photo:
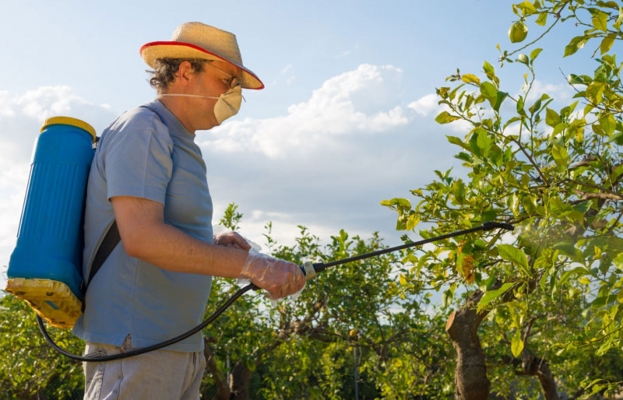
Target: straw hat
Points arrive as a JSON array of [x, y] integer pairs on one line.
[[197, 40]]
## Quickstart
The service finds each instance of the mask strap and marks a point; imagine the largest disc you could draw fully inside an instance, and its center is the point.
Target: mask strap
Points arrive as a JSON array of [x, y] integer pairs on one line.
[[192, 95], [187, 95]]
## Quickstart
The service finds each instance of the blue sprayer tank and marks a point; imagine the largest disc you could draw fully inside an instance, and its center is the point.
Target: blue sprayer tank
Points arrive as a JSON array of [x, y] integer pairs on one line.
[[45, 268]]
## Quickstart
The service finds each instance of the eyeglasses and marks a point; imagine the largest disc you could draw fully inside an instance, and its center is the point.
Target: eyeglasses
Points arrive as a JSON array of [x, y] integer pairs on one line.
[[232, 82]]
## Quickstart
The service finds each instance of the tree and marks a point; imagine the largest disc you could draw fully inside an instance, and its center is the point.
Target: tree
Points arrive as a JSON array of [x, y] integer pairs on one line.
[[29, 368], [352, 317], [553, 172]]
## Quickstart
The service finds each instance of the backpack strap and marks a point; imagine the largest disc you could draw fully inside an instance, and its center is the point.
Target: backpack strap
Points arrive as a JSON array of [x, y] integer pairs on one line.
[[109, 243]]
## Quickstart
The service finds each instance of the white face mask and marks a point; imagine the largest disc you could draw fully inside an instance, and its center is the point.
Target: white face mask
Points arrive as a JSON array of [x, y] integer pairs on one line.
[[227, 105]]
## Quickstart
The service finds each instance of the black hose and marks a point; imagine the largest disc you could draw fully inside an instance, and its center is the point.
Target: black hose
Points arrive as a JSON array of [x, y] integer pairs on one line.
[[143, 350]]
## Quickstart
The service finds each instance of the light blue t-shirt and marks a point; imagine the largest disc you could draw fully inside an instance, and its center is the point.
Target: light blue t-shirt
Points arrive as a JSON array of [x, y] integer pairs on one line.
[[145, 153]]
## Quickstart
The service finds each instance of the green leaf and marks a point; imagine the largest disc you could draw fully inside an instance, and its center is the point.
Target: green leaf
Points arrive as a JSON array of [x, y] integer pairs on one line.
[[618, 261], [552, 118], [542, 19], [617, 23], [483, 141], [491, 93], [520, 106], [412, 222], [579, 271], [595, 91], [518, 32], [494, 294], [489, 90], [535, 53], [608, 123], [517, 344], [606, 43], [514, 255], [445, 118], [574, 45], [600, 21], [459, 142], [490, 72], [561, 157]]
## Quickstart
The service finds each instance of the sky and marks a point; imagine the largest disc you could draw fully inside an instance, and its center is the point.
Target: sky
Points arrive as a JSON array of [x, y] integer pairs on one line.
[[346, 119]]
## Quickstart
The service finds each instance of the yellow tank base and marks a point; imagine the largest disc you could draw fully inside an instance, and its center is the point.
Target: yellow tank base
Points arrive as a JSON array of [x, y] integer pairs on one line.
[[52, 300]]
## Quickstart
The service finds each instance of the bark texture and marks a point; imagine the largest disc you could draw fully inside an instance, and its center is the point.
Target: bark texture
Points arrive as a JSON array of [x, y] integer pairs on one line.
[[222, 389], [470, 376]]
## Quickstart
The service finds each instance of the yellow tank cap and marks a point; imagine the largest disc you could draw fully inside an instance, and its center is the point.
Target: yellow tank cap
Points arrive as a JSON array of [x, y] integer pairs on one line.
[[78, 123]]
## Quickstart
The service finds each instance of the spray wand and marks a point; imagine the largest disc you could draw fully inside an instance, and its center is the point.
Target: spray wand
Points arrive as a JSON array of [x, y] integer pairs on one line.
[[310, 270]]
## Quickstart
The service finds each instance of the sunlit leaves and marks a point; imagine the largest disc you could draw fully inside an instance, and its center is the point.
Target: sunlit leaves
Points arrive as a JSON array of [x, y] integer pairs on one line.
[[606, 43], [554, 169], [445, 118], [493, 95], [517, 344], [492, 295], [515, 255], [470, 78], [600, 20], [574, 45]]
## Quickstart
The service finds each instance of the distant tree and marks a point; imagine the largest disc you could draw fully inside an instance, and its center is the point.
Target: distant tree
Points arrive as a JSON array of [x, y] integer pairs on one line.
[[29, 368], [547, 299]]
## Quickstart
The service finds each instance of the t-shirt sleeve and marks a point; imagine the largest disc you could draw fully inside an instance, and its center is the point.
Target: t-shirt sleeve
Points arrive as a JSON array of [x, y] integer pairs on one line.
[[138, 162]]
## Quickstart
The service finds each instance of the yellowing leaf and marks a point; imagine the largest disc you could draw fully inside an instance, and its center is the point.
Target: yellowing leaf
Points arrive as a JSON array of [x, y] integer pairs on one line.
[[470, 78], [606, 43], [517, 344], [412, 222], [445, 118], [468, 268], [600, 21]]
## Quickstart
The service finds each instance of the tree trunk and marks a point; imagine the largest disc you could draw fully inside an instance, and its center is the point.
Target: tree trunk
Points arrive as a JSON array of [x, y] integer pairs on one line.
[[538, 367], [241, 376], [470, 376], [222, 390]]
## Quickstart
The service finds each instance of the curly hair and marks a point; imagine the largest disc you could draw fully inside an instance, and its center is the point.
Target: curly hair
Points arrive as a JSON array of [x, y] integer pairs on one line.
[[165, 71]]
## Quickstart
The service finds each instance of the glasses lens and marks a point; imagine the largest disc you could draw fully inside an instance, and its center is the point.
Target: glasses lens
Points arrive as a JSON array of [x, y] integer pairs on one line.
[[234, 82]]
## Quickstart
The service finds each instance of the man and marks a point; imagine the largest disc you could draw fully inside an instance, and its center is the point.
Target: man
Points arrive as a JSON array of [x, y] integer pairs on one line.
[[148, 175]]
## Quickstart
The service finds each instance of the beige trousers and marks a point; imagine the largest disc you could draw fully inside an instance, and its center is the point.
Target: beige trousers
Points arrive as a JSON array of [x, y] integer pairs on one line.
[[160, 374]]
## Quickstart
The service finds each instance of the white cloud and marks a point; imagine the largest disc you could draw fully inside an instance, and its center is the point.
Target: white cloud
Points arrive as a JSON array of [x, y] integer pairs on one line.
[[560, 92], [426, 105], [356, 102]]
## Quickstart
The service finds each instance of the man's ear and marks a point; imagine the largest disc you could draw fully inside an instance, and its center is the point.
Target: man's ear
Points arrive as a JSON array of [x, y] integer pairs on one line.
[[185, 72]]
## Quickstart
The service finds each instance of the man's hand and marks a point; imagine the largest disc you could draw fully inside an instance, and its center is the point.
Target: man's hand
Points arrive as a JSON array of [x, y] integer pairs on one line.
[[231, 239], [280, 278]]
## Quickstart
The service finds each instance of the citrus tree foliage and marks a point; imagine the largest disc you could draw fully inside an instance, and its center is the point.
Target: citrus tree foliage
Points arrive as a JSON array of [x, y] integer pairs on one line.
[[554, 286], [351, 319], [28, 366]]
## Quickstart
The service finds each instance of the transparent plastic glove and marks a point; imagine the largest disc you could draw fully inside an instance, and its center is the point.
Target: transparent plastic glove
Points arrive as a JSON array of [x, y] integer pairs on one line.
[[280, 278], [232, 239]]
